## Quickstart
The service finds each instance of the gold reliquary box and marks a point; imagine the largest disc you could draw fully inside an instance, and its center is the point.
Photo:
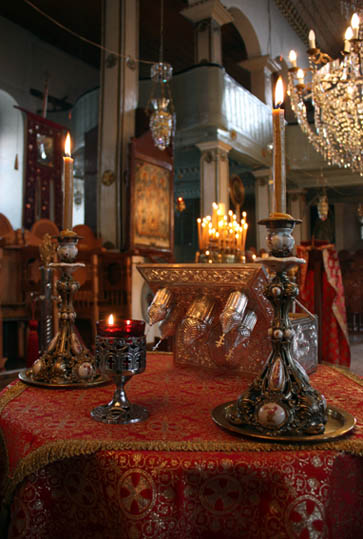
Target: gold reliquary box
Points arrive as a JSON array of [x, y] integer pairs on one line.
[[218, 316]]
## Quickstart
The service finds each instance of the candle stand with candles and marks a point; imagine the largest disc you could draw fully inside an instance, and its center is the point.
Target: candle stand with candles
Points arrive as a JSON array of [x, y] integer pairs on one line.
[[66, 362], [222, 238], [120, 353], [281, 404]]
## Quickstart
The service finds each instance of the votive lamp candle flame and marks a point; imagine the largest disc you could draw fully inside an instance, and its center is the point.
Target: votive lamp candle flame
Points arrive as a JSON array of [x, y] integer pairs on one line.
[[68, 185], [116, 327], [279, 168]]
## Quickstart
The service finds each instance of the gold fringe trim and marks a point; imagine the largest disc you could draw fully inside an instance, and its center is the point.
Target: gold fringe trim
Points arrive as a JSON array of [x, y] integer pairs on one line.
[[7, 396], [63, 449], [11, 393], [159, 353], [345, 370], [4, 456]]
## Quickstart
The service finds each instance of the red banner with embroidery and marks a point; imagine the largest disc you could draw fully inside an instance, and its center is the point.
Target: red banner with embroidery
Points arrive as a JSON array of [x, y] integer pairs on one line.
[[335, 340], [43, 198]]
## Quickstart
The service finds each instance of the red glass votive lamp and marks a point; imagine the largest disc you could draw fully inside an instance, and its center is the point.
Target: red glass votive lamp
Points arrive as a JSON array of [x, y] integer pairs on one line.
[[120, 328], [120, 353]]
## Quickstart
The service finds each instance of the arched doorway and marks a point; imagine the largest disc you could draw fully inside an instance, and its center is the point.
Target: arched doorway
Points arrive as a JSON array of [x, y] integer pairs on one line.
[[11, 167], [233, 52]]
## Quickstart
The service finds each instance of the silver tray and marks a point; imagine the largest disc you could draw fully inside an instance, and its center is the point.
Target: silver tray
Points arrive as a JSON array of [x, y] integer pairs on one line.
[[339, 423], [100, 380]]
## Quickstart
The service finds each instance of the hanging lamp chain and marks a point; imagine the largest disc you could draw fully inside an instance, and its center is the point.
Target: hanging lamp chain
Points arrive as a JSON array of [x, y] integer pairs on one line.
[[161, 30]]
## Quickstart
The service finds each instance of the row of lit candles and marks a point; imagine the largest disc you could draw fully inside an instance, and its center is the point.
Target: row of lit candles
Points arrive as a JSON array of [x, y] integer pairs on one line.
[[352, 32], [222, 232]]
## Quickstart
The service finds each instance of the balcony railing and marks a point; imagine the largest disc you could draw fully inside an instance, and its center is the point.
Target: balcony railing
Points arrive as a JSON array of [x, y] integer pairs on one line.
[[210, 104]]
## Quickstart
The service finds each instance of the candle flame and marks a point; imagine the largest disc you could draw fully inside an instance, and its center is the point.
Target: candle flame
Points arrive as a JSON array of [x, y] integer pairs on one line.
[[300, 75], [355, 21], [348, 33], [110, 320], [292, 56], [279, 92], [67, 145]]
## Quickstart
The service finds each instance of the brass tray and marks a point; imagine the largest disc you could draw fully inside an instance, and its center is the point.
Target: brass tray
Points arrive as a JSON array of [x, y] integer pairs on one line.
[[339, 423], [100, 380]]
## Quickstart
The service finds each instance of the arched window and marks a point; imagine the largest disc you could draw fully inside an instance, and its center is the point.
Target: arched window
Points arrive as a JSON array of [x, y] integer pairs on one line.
[[11, 160], [233, 52]]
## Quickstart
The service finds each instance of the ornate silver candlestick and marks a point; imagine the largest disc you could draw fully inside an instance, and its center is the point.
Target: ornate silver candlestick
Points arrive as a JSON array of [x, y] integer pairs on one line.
[[120, 353], [280, 403], [66, 362]]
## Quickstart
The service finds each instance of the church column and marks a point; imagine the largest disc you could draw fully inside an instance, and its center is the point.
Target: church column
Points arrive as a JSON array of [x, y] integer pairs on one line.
[[261, 69], [208, 17], [296, 204], [214, 175], [118, 101], [263, 204]]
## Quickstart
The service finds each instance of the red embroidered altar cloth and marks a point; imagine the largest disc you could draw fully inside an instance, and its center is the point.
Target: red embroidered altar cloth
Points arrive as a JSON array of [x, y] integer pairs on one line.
[[335, 340], [177, 475]]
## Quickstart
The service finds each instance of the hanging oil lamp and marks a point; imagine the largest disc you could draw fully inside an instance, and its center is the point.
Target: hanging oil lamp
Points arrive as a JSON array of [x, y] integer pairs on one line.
[[162, 117]]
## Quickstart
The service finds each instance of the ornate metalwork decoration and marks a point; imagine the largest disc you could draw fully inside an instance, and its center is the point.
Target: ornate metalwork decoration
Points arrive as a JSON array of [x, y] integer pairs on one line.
[[281, 401], [108, 178], [47, 249], [120, 358], [66, 362], [191, 273], [200, 293]]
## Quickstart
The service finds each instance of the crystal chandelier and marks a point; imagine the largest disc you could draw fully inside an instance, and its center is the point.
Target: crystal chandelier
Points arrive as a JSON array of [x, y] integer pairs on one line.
[[335, 88], [162, 119], [347, 7]]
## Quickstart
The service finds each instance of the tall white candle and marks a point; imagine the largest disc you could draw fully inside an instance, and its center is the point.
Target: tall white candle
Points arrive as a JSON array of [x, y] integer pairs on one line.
[[68, 185], [279, 185]]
